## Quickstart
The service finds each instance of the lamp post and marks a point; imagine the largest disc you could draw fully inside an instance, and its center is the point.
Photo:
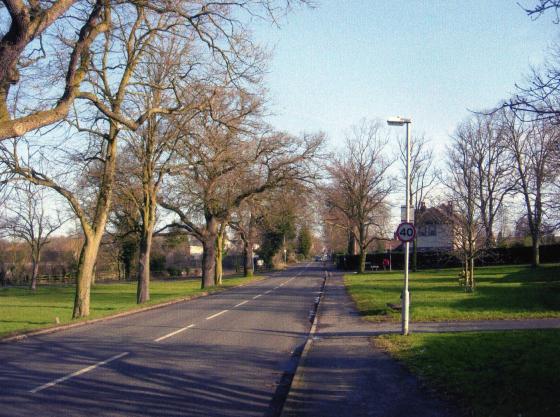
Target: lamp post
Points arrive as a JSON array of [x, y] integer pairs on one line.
[[400, 121]]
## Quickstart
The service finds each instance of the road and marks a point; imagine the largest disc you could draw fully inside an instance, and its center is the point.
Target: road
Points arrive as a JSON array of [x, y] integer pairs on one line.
[[228, 354]]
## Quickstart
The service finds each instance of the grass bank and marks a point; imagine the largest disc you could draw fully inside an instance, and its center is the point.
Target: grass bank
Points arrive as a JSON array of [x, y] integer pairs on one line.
[[503, 292], [498, 374], [24, 310]]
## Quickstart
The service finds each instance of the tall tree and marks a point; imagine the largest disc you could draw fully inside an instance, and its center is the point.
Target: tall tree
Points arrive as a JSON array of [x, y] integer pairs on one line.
[[151, 149], [463, 214], [533, 150], [482, 136], [360, 186]]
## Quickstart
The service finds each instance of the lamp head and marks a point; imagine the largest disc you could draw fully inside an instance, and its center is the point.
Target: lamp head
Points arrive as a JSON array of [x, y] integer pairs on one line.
[[398, 121]]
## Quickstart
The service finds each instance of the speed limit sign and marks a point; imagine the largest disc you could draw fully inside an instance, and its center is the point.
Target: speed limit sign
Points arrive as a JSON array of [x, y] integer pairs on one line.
[[406, 232]]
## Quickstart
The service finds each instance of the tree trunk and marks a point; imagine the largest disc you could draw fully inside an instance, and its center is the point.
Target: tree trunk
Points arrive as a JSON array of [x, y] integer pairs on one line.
[[36, 257], [362, 261], [208, 261], [209, 252], [248, 265], [86, 263], [143, 274], [94, 273], [536, 257], [466, 272], [351, 244], [471, 273], [219, 272], [127, 269], [415, 254]]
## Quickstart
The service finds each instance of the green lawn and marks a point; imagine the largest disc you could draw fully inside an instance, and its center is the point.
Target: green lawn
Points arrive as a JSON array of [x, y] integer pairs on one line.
[[502, 292], [22, 310], [490, 374]]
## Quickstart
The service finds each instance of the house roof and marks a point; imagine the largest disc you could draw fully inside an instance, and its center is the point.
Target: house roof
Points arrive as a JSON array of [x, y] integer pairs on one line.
[[441, 214]]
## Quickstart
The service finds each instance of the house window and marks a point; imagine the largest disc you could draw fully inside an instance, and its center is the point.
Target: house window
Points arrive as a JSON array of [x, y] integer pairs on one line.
[[431, 230], [427, 230]]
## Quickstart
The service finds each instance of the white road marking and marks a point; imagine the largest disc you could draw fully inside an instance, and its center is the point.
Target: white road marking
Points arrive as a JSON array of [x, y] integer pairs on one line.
[[256, 296], [217, 314], [159, 339], [241, 303], [80, 372], [268, 292]]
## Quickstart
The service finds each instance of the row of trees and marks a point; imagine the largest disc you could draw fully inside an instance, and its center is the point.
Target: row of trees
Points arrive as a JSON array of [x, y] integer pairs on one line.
[[496, 162], [144, 104], [494, 159]]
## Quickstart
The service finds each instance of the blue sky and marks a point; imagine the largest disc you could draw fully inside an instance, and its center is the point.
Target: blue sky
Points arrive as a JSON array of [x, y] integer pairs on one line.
[[431, 60]]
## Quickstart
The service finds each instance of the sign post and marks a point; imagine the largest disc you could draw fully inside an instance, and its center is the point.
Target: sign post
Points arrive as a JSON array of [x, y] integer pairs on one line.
[[400, 121], [406, 232]]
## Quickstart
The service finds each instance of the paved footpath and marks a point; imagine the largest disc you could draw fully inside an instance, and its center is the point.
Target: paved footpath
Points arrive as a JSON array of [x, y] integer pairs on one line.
[[343, 374]]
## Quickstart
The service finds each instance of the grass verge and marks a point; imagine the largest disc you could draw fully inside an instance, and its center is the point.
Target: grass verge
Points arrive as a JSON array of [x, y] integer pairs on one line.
[[490, 374], [23, 310], [503, 292]]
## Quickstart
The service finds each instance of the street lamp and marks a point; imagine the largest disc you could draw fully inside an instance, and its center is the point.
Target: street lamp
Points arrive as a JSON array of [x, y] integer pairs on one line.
[[399, 121]]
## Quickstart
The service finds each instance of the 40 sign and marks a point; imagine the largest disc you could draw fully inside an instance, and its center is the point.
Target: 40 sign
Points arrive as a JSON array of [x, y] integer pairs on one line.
[[406, 232]]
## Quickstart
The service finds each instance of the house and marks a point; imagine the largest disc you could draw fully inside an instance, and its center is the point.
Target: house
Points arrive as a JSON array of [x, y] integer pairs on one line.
[[434, 228]]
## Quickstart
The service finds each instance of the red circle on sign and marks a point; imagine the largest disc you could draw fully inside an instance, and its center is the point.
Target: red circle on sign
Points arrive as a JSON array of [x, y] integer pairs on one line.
[[406, 232]]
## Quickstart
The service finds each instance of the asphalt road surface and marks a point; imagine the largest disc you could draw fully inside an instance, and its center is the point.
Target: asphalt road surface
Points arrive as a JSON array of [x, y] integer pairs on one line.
[[228, 354]]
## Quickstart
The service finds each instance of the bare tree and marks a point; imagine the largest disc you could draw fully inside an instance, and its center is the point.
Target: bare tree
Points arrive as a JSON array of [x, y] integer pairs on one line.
[[29, 219], [482, 136], [359, 186], [479, 177], [533, 150], [463, 213], [151, 149]]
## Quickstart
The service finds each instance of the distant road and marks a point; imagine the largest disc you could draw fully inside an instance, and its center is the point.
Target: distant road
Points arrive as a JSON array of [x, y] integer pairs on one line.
[[227, 354]]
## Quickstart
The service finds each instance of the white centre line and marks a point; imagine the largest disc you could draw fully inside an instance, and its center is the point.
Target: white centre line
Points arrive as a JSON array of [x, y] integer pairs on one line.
[[241, 303], [217, 314], [159, 339], [80, 372], [268, 292], [256, 296]]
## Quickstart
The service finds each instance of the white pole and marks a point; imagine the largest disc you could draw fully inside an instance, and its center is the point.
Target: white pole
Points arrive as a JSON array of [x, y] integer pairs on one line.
[[406, 296]]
